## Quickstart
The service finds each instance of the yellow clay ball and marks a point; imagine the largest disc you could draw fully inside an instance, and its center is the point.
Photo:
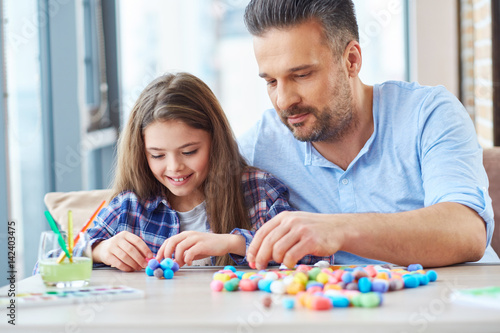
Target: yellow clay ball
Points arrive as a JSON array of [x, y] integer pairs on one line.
[[301, 277], [294, 288], [222, 277], [247, 275], [322, 278], [332, 286], [382, 275]]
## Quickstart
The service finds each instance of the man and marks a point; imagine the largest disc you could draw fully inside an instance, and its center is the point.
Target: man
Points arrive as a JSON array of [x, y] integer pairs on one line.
[[385, 173]]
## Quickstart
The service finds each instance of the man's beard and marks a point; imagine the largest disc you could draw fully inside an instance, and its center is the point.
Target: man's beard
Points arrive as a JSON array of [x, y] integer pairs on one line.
[[332, 123]]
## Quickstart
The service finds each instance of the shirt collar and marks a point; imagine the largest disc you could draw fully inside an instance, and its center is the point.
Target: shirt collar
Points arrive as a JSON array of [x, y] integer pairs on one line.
[[153, 203], [314, 158]]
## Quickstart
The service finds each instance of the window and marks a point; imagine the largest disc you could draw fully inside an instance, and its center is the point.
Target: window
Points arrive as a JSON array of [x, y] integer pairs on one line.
[[382, 33], [25, 121], [209, 39], [60, 128]]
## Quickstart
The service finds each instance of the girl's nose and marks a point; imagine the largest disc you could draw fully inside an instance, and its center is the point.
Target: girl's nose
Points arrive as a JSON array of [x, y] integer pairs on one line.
[[174, 164]]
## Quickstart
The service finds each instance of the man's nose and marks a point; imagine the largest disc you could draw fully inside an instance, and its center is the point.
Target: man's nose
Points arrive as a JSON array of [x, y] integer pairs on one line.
[[286, 96]]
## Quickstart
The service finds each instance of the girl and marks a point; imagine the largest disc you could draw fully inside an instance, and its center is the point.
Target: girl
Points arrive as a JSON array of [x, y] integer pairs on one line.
[[181, 186]]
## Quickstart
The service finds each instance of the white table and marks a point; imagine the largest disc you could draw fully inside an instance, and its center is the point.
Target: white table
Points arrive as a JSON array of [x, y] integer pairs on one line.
[[187, 304]]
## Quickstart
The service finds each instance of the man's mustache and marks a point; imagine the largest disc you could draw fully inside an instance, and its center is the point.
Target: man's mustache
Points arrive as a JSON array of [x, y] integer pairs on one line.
[[298, 110]]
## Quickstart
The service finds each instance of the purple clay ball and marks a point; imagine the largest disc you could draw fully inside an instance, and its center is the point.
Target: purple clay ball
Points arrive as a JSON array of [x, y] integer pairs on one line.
[[153, 264], [175, 267], [414, 267]]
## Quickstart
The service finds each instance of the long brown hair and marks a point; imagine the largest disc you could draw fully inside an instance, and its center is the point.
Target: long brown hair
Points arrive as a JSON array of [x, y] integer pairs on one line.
[[186, 98]]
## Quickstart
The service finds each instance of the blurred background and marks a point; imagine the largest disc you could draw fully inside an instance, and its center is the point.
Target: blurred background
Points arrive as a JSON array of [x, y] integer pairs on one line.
[[72, 70]]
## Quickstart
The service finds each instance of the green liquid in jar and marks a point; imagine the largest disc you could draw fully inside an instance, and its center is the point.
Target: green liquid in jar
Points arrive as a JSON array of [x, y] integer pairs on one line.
[[79, 270]]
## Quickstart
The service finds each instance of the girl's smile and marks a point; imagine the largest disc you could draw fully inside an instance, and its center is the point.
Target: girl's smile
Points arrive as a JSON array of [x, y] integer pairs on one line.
[[177, 181]]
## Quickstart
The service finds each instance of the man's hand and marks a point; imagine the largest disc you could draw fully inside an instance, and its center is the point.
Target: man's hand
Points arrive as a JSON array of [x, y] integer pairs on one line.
[[125, 251], [194, 245], [290, 236]]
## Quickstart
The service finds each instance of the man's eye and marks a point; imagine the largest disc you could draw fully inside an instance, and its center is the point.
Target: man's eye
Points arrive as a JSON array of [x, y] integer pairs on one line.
[[271, 82], [303, 75]]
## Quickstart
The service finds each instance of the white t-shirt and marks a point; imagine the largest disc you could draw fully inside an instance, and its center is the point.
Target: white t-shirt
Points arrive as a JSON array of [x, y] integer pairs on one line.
[[195, 220]]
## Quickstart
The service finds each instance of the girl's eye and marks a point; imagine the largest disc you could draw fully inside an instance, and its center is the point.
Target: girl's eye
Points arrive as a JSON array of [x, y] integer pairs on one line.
[[192, 152], [156, 156]]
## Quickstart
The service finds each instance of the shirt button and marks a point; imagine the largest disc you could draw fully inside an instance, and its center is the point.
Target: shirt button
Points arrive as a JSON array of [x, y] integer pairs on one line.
[[345, 181]]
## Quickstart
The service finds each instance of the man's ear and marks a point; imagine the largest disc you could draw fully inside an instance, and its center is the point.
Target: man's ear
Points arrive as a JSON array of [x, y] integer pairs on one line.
[[352, 57]]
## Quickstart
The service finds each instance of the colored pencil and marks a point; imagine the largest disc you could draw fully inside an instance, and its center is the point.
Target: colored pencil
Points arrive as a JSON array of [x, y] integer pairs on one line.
[[60, 238], [70, 232], [84, 228]]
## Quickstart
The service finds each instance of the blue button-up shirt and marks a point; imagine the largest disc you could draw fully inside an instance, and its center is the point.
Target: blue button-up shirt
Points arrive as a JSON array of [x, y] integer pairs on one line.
[[423, 151]]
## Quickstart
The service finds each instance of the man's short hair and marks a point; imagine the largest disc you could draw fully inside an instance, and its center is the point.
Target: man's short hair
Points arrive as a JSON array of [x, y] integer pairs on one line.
[[337, 17]]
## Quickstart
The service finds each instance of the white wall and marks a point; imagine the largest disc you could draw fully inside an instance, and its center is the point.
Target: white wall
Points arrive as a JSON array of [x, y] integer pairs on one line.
[[434, 51]]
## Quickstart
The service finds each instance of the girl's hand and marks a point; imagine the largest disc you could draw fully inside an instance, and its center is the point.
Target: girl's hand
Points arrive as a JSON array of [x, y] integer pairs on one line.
[[194, 245], [125, 251]]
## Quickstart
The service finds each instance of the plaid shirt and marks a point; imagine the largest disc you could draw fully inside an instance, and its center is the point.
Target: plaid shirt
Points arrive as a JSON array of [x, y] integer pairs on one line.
[[154, 220]]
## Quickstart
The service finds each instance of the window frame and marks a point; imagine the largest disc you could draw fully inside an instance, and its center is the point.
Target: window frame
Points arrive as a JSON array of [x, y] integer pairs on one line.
[[495, 47], [4, 169]]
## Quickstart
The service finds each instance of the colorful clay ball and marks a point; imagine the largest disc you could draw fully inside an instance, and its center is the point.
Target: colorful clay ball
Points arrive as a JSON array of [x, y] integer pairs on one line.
[[322, 288], [168, 274], [216, 285], [288, 303], [158, 273], [153, 264], [267, 301], [163, 270]]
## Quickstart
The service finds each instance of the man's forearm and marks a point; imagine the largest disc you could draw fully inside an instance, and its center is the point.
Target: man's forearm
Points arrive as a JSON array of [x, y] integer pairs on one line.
[[439, 235]]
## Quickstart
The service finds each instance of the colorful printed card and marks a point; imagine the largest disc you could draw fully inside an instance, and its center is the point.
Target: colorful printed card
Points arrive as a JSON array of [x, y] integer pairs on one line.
[[74, 296]]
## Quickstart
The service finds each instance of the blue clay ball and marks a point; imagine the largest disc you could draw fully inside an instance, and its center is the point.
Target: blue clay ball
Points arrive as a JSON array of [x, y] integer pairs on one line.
[[149, 271], [230, 268], [347, 277], [167, 263], [423, 279], [432, 275], [339, 301], [168, 274], [364, 285], [265, 285], [288, 303], [411, 281]]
